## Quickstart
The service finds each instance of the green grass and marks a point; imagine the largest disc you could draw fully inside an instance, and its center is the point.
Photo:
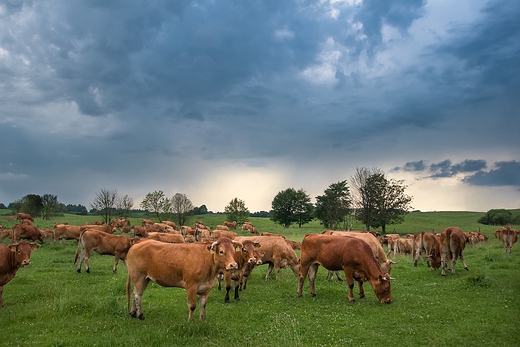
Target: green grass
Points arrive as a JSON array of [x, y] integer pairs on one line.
[[49, 304]]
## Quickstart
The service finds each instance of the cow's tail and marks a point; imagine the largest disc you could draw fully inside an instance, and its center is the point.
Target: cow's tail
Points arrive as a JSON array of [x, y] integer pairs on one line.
[[80, 245], [128, 290]]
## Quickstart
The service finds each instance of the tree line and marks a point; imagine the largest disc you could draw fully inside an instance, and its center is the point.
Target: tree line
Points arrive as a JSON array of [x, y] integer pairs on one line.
[[373, 199]]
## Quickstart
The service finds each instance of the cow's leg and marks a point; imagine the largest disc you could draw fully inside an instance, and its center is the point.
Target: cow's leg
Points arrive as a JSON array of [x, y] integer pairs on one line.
[[1, 300], [243, 282], [349, 277], [277, 269], [87, 257], [191, 293], [454, 257], [463, 263], [203, 299], [116, 261], [219, 278], [443, 263], [237, 282], [227, 280], [269, 269], [331, 276], [137, 308], [302, 274], [361, 291], [313, 271]]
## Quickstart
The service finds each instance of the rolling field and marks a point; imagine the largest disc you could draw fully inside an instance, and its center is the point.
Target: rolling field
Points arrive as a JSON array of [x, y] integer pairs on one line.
[[49, 304]]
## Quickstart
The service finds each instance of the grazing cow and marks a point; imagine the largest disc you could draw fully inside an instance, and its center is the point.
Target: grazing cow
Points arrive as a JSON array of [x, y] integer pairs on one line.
[[186, 230], [342, 253], [275, 252], [202, 233], [138, 231], [222, 227], [26, 232], [189, 238], [109, 229], [10, 218], [404, 246], [104, 244], [146, 222], [451, 245], [96, 222], [191, 266], [47, 233], [166, 237], [67, 232], [247, 226], [6, 233], [243, 257], [232, 225], [272, 234], [508, 236], [24, 216], [253, 231], [125, 230], [379, 253], [217, 234], [13, 257], [427, 241]]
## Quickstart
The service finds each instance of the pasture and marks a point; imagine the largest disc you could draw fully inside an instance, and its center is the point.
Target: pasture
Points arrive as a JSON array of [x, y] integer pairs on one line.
[[49, 304]]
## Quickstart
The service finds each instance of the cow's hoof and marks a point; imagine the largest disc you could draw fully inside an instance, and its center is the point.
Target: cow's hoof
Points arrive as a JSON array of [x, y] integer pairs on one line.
[[237, 299], [362, 296], [352, 301], [226, 301], [78, 270], [141, 317], [88, 271], [466, 269], [415, 265], [133, 314]]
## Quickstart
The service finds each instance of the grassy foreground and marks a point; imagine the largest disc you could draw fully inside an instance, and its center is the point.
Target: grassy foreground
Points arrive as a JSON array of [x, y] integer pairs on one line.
[[49, 304]]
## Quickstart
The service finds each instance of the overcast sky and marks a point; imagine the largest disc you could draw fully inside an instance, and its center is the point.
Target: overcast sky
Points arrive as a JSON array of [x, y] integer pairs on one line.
[[224, 99]]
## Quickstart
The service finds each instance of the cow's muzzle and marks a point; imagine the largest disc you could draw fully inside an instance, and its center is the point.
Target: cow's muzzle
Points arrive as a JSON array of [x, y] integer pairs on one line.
[[26, 262], [232, 266]]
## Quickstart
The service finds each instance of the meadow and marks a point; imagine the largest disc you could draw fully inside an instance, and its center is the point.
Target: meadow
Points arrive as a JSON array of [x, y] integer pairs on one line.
[[49, 304]]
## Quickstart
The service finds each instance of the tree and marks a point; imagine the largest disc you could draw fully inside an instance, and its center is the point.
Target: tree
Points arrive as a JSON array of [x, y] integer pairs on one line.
[[237, 211], [334, 206], [104, 202], [31, 204], [124, 206], [391, 202], [497, 217], [50, 206], [290, 206], [156, 203], [362, 197], [181, 207], [379, 201]]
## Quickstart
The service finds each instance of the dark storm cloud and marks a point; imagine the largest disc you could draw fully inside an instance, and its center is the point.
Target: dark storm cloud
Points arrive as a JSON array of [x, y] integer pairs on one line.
[[446, 169], [506, 173], [412, 166]]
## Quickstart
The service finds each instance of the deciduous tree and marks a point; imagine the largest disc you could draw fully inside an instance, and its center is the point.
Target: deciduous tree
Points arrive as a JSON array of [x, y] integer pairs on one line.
[[104, 202], [291, 206], [237, 211], [181, 207], [333, 207], [156, 203]]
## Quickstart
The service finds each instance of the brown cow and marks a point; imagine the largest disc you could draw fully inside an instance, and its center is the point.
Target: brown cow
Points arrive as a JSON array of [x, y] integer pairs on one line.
[[404, 246], [166, 237], [222, 227], [109, 228], [104, 244], [248, 269], [10, 218], [24, 216], [275, 252], [25, 221], [67, 232], [171, 224], [146, 222], [96, 222], [192, 266], [26, 232], [451, 244], [232, 225], [13, 257], [186, 230], [243, 257], [5, 233], [342, 253], [427, 241], [217, 234], [508, 236], [202, 233], [138, 231], [247, 226]]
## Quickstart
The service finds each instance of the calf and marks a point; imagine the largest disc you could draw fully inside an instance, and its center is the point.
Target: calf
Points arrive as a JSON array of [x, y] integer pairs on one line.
[[192, 266], [13, 257], [275, 252], [243, 257], [451, 244], [94, 240], [342, 253]]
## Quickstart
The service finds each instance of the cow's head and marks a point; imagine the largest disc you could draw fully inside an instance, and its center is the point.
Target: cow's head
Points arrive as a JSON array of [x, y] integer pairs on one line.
[[223, 253], [22, 251], [382, 286], [258, 257], [248, 248], [435, 260]]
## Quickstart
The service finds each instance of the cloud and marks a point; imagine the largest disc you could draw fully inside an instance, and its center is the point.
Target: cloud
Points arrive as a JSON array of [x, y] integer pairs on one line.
[[506, 173]]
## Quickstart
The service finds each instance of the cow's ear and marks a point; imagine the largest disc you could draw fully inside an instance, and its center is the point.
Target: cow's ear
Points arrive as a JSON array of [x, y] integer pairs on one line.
[[237, 244], [12, 247], [257, 244], [34, 246], [212, 247]]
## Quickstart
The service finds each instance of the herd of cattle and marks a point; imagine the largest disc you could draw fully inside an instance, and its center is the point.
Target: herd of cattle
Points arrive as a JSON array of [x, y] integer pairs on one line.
[[195, 257]]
